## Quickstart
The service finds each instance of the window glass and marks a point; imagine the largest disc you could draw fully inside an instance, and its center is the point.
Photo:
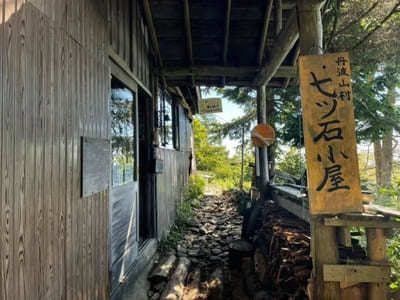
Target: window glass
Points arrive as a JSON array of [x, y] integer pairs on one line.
[[167, 120], [123, 134]]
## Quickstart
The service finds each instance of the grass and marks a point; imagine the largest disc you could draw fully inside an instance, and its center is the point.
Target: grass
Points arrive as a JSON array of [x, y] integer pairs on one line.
[[184, 213]]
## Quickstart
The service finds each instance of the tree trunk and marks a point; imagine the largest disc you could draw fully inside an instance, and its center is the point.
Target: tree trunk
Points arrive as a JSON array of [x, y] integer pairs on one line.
[[383, 152], [378, 162], [387, 159]]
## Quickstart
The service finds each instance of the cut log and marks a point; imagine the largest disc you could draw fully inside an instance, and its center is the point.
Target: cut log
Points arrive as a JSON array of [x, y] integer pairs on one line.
[[175, 287], [216, 285], [162, 271], [192, 291]]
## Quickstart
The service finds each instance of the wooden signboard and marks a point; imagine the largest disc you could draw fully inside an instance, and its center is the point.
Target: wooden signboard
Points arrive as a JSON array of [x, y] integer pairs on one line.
[[210, 105], [329, 134]]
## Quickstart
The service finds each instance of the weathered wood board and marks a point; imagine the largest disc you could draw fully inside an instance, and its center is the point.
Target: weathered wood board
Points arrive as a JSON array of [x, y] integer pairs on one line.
[[329, 134], [356, 273], [95, 165]]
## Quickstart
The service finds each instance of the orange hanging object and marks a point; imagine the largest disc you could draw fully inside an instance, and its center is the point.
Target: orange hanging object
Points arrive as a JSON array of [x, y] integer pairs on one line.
[[263, 135]]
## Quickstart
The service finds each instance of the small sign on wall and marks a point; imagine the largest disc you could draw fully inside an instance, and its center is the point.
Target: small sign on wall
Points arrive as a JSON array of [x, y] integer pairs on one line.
[[210, 105], [329, 134], [96, 154]]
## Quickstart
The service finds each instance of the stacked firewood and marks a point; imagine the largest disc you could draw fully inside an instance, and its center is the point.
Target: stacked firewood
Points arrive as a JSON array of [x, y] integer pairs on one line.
[[282, 257]]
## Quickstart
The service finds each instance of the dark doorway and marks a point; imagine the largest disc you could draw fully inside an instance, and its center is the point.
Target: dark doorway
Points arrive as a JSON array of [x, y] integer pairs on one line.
[[146, 176]]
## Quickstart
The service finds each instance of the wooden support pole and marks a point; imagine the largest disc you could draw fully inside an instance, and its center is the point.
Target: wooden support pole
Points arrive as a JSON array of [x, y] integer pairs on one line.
[[324, 251], [310, 26], [324, 246], [262, 118], [376, 246]]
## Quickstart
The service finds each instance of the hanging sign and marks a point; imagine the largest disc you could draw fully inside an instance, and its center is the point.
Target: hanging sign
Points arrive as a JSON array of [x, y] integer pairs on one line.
[[329, 134], [262, 135], [210, 105]]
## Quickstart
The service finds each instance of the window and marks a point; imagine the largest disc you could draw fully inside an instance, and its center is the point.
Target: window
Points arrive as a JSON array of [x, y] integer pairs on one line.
[[123, 134], [168, 121]]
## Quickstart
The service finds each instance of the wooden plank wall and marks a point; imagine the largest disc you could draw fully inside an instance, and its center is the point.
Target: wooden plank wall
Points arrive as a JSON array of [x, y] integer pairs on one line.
[[170, 184], [54, 88], [129, 37]]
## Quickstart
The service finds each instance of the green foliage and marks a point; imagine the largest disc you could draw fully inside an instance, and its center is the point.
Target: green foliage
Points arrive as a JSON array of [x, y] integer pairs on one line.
[[184, 213], [292, 163], [213, 158], [393, 252], [195, 189], [393, 194]]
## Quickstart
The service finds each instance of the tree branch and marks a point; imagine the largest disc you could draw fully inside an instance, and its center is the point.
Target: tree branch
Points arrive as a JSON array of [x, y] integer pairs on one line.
[[358, 19], [392, 12]]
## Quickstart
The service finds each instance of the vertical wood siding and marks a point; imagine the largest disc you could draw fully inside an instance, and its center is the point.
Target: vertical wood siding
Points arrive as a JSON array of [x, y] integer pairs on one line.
[[171, 183], [128, 37], [54, 88]]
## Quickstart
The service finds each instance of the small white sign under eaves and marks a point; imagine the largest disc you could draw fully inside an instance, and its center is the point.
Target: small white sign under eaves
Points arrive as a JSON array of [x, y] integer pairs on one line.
[[210, 105]]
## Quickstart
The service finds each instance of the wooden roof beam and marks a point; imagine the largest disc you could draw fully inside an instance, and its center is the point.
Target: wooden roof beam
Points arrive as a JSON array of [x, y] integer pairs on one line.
[[188, 31], [152, 30], [288, 4], [293, 62], [264, 32], [227, 30], [278, 17], [285, 42], [283, 71]]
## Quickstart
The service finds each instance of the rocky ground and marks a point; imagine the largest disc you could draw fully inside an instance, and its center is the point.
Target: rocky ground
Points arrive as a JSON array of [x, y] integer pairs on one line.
[[205, 253], [213, 262]]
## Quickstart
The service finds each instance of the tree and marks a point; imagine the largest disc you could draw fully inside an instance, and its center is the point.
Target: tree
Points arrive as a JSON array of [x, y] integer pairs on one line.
[[369, 30]]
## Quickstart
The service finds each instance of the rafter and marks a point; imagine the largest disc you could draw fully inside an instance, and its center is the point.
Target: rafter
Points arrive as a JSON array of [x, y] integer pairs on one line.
[[283, 45], [188, 31], [293, 63], [282, 72], [227, 30], [264, 33], [278, 17], [152, 29]]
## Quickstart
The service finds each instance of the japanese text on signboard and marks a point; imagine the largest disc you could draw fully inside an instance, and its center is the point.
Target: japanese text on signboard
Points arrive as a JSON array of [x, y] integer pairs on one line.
[[329, 133]]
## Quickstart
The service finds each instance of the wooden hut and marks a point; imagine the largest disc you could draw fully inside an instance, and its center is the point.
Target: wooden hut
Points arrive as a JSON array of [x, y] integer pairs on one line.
[[96, 102]]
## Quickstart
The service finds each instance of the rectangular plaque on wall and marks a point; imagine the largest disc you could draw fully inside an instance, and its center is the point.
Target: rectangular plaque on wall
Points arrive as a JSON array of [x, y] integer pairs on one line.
[[95, 165]]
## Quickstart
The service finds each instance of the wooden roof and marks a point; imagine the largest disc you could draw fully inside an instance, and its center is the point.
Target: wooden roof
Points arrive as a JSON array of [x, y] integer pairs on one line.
[[224, 42]]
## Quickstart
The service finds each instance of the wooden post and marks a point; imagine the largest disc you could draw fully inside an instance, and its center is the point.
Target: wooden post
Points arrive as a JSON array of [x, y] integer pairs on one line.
[[310, 26], [324, 247], [324, 250], [376, 246], [262, 118]]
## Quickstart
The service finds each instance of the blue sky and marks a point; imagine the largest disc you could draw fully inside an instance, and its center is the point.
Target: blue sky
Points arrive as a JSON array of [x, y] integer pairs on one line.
[[230, 111]]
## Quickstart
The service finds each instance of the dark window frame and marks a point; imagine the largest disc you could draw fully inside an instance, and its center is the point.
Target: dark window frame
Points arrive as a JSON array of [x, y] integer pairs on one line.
[[168, 112]]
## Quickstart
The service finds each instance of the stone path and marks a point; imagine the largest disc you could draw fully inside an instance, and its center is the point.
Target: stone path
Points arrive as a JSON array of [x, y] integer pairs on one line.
[[215, 226]]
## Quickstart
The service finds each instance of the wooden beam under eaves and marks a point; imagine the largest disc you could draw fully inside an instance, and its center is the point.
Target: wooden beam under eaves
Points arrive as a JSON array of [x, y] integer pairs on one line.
[[226, 37], [293, 62], [152, 30], [227, 30], [264, 32], [278, 17], [188, 31], [282, 72], [285, 42]]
